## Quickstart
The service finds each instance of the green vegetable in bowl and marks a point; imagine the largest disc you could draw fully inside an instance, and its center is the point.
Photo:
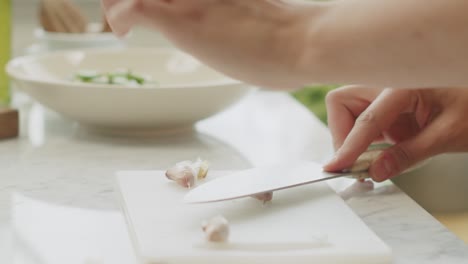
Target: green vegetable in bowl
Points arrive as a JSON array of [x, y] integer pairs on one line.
[[121, 77]]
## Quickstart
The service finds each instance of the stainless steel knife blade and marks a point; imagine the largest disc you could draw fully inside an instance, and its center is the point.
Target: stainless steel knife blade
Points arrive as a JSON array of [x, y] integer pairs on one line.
[[262, 179]]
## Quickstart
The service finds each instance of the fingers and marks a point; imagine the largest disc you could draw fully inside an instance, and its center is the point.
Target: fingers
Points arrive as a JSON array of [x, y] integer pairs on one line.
[[405, 127], [373, 121], [124, 14], [402, 156], [344, 105]]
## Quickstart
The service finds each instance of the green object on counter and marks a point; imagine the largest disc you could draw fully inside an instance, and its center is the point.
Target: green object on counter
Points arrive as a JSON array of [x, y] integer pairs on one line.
[[313, 97], [5, 49]]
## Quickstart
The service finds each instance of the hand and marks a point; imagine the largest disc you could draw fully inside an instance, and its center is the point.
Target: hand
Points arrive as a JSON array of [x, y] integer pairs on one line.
[[256, 41], [419, 122], [284, 44]]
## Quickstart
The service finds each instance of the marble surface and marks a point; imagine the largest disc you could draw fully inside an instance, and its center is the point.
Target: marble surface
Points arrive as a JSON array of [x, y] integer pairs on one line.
[[57, 200]]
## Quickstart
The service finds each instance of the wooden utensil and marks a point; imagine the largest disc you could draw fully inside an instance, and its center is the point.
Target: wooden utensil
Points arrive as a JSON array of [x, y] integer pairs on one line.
[[105, 25], [61, 16], [9, 123]]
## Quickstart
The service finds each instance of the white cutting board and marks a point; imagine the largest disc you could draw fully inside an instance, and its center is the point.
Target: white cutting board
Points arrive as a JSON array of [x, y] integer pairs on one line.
[[308, 224]]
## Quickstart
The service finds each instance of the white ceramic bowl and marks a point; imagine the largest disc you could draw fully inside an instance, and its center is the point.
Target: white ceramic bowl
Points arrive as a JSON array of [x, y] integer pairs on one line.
[[187, 91], [441, 185], [92, 38]]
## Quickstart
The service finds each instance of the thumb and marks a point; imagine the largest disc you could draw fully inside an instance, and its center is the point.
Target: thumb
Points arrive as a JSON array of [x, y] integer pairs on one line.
[[405, 154]]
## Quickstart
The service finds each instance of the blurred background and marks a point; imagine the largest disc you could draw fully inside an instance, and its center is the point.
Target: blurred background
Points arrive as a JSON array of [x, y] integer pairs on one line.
[[26, 20]]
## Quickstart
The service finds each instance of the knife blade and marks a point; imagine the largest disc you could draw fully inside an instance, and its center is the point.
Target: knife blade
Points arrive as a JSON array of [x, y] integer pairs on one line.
[[275, 177], [259, 180]]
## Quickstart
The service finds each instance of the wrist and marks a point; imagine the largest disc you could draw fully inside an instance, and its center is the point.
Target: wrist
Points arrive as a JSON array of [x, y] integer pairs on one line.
[[282, 43]]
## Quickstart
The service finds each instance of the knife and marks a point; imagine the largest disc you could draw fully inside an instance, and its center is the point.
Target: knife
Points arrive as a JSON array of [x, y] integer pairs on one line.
[[275, 177]]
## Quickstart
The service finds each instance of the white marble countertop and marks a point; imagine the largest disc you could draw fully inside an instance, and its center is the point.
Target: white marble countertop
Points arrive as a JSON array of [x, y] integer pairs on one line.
[[57, 202]]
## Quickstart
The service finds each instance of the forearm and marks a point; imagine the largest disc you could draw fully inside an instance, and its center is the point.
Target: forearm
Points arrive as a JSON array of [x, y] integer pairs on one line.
[[419, 43]]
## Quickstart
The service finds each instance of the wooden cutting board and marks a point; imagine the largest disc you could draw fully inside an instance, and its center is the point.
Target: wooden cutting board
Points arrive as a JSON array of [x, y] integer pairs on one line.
[[308, 224]]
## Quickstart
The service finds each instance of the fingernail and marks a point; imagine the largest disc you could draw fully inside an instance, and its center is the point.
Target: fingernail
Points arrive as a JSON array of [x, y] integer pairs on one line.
[[383, 169]]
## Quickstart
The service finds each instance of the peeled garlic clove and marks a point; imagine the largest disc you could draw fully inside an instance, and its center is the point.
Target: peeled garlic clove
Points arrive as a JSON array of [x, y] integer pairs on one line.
[[216, 229], [199, 167], [182, 175], [265, 197], [203, 170]]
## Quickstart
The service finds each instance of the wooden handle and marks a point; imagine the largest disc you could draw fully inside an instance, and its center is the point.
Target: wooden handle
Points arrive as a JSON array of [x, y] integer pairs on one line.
[[61, 16], [105, 25], [360, 168], [365, 160], [9, 123]]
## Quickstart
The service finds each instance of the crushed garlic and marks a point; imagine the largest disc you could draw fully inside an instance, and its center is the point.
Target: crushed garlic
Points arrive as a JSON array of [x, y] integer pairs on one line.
[[186, 172]]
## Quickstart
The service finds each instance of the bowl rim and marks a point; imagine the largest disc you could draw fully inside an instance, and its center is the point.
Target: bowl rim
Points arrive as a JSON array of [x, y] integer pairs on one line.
[[15, 62]]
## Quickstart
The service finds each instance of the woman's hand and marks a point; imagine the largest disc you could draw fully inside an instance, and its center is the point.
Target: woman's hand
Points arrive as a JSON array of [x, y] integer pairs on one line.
[[287, 44], [420, 122], [257, 41]]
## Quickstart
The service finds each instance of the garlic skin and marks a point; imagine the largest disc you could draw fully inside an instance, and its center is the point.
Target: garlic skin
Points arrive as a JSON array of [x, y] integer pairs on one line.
[[183, 175], [216, 229], [265, 197]]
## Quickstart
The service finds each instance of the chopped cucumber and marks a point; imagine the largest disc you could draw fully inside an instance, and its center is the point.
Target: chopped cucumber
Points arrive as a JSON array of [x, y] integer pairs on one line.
[[120, 77]]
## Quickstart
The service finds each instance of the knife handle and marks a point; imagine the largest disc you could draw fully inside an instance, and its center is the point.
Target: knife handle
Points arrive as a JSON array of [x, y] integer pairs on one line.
[[360, 168]]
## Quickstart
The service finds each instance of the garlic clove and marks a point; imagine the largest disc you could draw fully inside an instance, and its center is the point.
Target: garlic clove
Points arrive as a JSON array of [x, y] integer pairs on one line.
[[203, 170], [216, 229], [187, 172], [182, 175], [265, 197]]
